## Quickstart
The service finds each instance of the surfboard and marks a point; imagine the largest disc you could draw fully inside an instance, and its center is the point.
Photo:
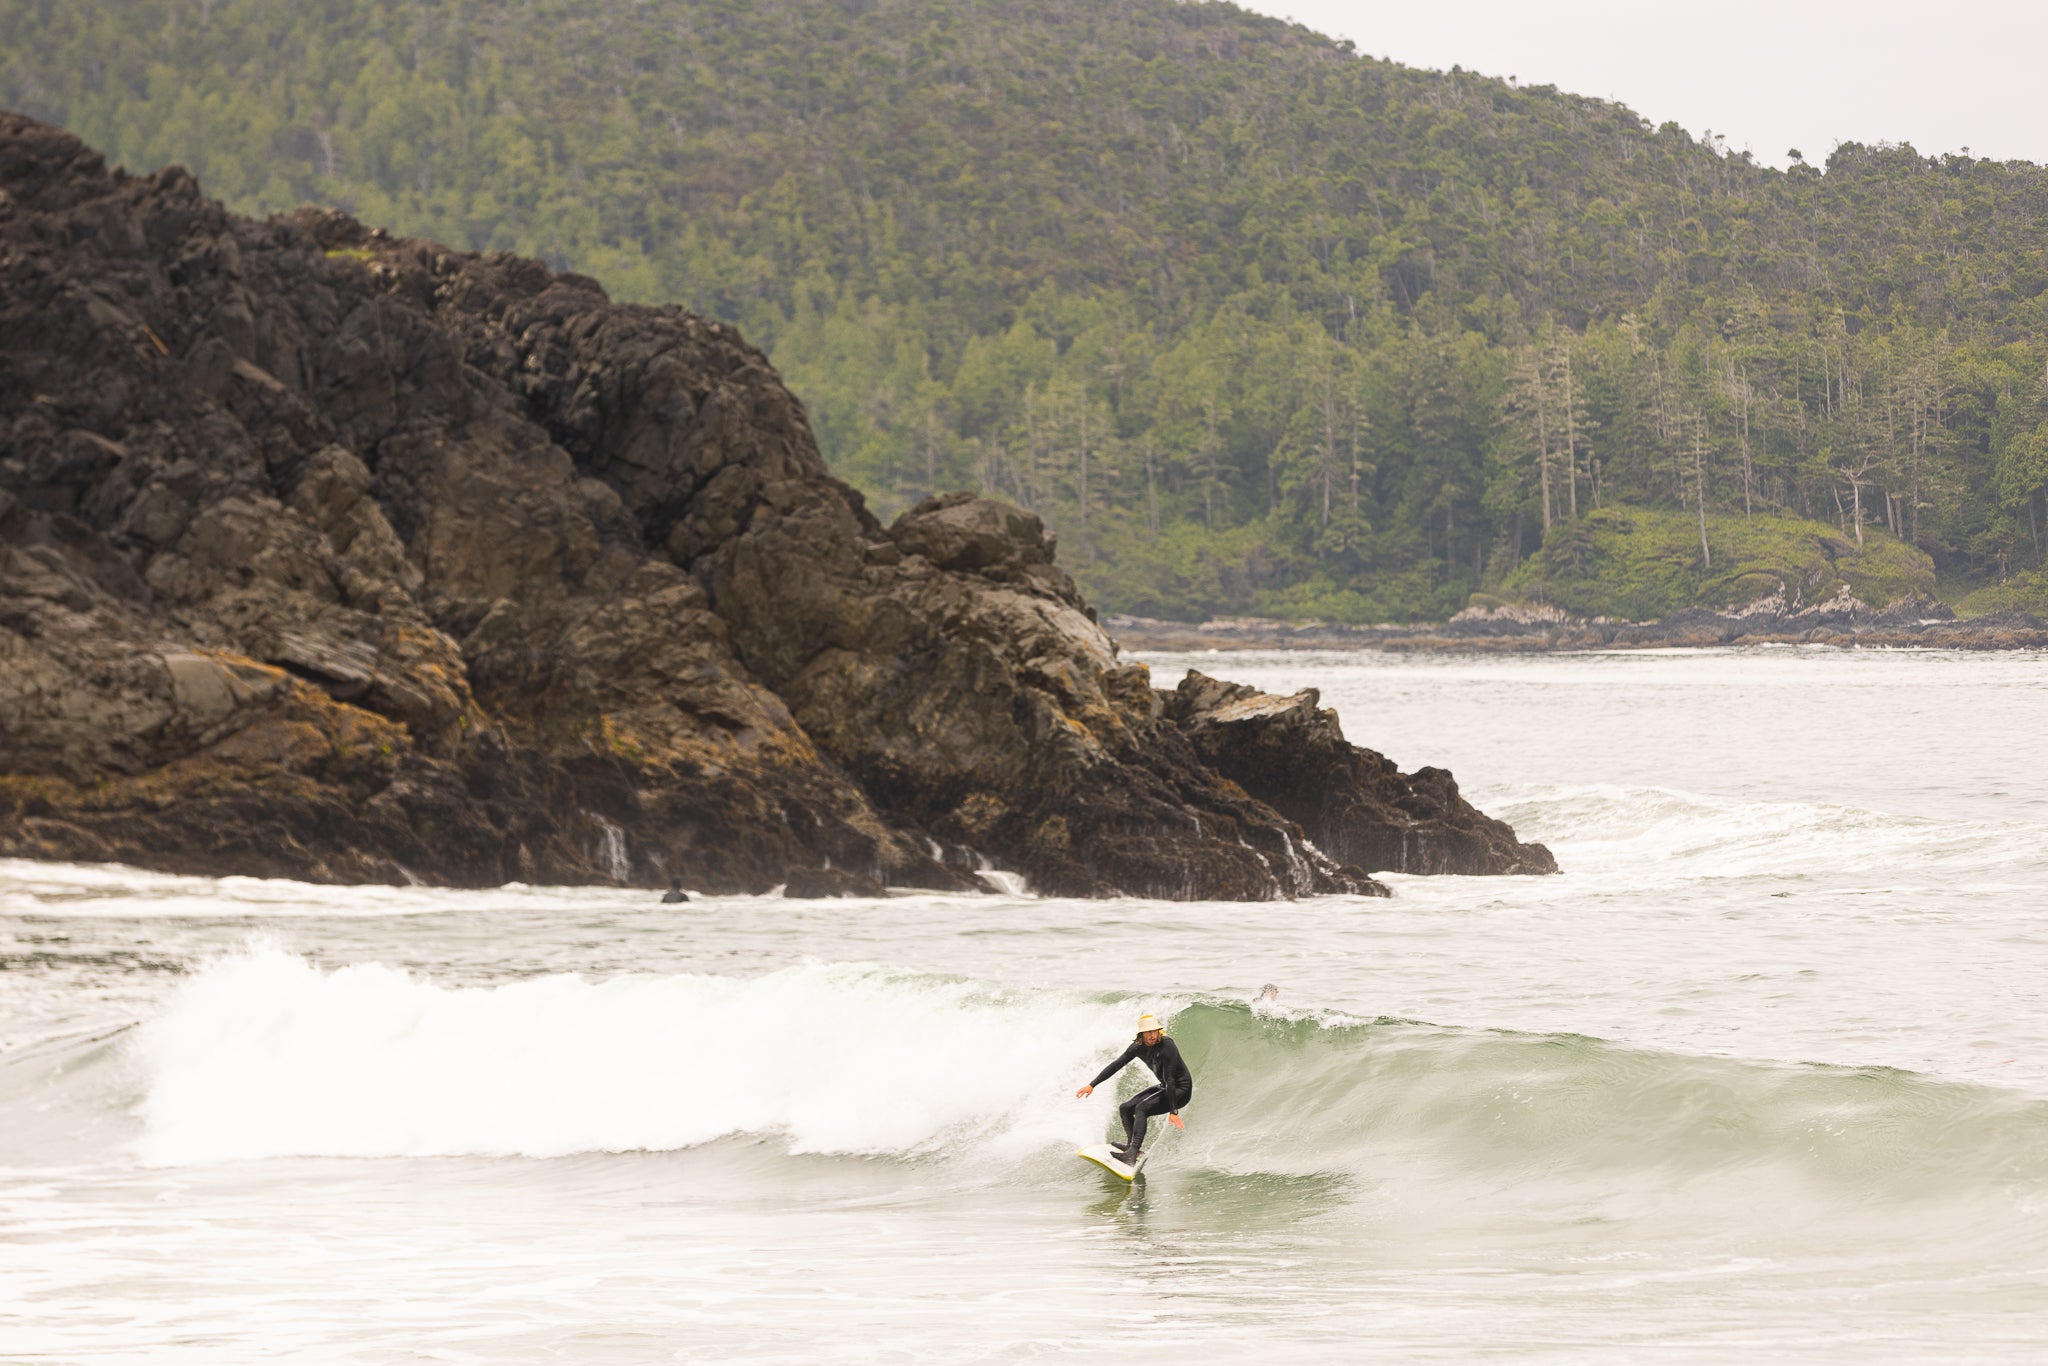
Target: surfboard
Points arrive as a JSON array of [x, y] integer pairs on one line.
[[1104, 1156]]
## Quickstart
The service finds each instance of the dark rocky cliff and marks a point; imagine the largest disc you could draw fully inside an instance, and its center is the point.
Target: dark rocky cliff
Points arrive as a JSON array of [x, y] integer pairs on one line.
[[334, 556], [1354, 804]]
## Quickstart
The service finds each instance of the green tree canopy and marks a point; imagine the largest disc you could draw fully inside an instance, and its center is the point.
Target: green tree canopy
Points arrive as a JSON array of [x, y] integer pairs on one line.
[[1257, 323]]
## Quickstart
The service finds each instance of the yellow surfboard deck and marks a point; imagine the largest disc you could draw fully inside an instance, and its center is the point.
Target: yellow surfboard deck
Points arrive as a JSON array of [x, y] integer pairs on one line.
[[1104, 1156]]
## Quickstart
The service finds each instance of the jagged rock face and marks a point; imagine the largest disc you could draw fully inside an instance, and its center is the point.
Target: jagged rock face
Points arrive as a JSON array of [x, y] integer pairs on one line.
[[1356, 805], [292, 587], [327, 555]]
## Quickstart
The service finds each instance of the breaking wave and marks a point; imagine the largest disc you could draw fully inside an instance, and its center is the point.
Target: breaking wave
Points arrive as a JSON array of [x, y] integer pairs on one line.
[[264, 1055], [1603, 827]]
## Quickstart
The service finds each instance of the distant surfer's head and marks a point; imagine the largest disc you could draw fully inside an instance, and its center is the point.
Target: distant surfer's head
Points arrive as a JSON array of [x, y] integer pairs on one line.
[[1149, 1028]]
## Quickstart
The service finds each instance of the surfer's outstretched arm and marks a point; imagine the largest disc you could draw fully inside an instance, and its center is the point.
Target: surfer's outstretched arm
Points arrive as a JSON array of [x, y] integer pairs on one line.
[[1106, 1073]]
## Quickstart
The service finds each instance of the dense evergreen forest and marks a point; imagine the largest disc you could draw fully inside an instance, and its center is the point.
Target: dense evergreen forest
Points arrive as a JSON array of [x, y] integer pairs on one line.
[[1257, 323]]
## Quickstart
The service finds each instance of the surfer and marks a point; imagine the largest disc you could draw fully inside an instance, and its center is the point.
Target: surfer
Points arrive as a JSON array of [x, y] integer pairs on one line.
[[674, 893], [1176, 1084]]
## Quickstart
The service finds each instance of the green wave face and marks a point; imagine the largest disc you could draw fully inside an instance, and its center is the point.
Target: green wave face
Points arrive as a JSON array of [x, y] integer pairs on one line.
[[1372, 1097]]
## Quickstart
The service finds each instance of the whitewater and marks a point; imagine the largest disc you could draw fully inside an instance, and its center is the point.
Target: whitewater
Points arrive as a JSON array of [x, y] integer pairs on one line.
[[1762, 1075]]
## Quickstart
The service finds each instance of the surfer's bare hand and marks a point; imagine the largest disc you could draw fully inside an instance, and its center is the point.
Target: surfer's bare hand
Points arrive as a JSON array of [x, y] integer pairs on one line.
[[1084, 1093], [1175, 1121]]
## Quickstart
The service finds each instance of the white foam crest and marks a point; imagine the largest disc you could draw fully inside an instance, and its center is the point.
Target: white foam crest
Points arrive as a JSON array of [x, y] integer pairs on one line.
[[112, 890], [263, 1054], [1608, 827]]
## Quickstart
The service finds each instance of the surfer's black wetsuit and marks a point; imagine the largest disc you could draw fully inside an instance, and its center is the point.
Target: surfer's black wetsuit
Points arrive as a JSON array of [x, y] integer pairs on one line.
[[1176, 1085]]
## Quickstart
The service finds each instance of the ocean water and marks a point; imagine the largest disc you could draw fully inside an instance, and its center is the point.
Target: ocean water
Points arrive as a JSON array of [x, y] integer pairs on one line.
[[1763, 1075]]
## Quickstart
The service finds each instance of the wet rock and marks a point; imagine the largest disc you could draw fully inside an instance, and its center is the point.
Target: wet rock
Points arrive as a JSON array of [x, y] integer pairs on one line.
[[1355, 804]]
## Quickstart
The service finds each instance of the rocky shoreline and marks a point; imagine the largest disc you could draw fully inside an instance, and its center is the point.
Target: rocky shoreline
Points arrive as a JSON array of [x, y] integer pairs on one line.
[[334, 556], [1842, 621]]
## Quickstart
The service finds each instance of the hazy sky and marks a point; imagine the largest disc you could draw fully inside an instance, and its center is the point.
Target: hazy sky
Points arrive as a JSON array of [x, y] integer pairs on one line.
[[1768, 76]]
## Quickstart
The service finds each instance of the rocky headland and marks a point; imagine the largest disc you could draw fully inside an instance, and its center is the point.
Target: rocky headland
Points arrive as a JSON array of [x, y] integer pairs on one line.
[[335, 556], [1916, 622]]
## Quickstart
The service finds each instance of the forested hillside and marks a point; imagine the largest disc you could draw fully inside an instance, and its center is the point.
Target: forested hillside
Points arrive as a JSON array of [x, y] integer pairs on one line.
[[1256, 323]]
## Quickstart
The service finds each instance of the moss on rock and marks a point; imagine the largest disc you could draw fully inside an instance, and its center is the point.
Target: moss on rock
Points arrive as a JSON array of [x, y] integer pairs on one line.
[[1641, 563], [2020, 593]]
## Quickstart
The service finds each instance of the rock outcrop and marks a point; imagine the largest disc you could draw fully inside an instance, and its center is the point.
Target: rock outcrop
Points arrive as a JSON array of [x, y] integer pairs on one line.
[[335, 556], [1913, 622], [1356, 806]]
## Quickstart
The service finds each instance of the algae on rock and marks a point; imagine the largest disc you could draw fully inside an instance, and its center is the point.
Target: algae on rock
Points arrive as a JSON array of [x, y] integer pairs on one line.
[[1639, 564]]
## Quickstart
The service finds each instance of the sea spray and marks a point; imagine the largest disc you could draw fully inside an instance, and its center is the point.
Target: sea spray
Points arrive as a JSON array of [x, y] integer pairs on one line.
[[263, 1054], [611, 848], [1622, 829]]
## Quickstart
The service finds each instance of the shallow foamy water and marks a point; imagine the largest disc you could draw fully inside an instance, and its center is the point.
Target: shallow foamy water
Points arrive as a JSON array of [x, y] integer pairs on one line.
[[1764, 1073]]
